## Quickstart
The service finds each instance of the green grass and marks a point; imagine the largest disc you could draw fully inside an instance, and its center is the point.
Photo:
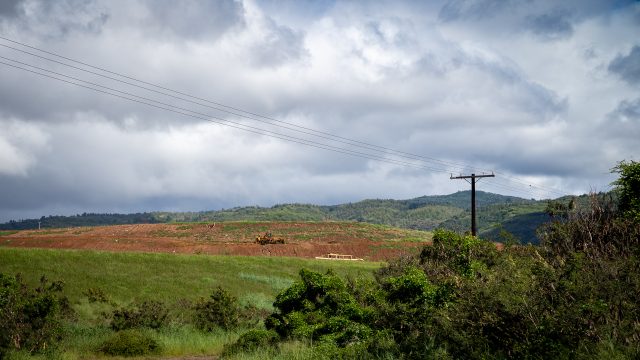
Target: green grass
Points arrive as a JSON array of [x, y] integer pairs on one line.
[[7, 232], [174, 279], [168, 277], [276, 283], [186, 340]]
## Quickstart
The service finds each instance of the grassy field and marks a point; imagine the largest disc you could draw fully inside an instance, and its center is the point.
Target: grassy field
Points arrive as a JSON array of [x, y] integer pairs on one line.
[[128, 277], [168, 277]]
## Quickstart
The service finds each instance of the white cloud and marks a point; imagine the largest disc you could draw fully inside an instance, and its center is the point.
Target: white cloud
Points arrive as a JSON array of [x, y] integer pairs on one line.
[[20, 144], [525, 90]]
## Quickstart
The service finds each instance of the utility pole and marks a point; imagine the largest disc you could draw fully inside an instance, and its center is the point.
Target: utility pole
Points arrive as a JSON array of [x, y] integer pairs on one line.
[[474, 179]]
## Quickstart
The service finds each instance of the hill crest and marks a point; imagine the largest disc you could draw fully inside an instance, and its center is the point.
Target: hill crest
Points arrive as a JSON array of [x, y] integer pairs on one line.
[[517, 215]]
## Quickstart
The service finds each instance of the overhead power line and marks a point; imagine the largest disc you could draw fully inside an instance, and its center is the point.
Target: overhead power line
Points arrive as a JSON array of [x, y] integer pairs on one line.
[[382, 153], [213, 119], [233, 110]]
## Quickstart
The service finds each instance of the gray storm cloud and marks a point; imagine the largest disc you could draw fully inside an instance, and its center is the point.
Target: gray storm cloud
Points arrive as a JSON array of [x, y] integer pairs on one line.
[[201, 20], [483, 84], [551, 26], [52, 19], [627, 66]]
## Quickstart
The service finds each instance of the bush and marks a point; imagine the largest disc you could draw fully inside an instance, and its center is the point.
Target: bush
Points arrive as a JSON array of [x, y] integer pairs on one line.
[[453, 256], [627, 187], [30, 319], [96, 295], [250, 315], [253, 340], [131, 342], [573, 297], [150, 314], [320, 307], [221, 310]]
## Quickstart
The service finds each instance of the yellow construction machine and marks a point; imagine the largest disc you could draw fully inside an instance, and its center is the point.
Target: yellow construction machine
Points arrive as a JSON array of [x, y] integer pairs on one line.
[[268, 238]]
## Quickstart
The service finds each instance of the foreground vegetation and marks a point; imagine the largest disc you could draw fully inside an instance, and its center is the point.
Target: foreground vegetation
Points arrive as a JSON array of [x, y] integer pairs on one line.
[[96, 285], [573, 297]]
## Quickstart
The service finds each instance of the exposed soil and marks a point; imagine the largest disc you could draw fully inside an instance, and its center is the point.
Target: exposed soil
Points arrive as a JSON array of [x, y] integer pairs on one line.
[[302, 239]]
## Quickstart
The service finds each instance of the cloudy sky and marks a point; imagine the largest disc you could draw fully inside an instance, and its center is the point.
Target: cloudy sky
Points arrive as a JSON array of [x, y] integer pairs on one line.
[[544, 93]]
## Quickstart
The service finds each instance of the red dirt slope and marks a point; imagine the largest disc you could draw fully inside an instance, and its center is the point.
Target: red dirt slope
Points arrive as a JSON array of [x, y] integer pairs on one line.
[[303, 239]]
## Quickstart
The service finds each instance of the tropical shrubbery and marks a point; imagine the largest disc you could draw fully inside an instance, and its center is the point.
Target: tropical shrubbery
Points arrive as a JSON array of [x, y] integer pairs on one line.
[[30, 318], [132, 342], [575, 296], [150, 314], [221, 310]]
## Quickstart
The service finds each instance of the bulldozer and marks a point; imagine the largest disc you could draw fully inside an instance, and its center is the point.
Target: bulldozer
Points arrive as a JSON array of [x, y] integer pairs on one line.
[[268, 238]]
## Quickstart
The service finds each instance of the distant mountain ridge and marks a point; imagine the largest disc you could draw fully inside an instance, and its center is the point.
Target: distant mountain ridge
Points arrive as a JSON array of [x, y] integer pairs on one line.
[[495, 212]]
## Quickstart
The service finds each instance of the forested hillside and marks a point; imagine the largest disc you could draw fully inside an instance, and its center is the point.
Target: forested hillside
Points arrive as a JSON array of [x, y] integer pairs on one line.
[[518, 216]]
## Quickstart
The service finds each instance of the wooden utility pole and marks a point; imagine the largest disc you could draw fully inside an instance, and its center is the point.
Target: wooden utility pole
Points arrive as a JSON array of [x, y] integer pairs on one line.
[[474, 179]]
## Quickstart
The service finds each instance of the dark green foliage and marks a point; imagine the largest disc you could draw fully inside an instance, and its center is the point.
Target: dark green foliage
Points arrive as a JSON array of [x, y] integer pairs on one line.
[[221, 310], [453, 256], [597, 232], [150, 314], [250, 315], [502, 312], [253, 340], [559, 210], [410, 301], [85, 219], [320, 307], [29, 318], [627, 187], [96, 294], [596, 255], [131, 342], [574, 297]]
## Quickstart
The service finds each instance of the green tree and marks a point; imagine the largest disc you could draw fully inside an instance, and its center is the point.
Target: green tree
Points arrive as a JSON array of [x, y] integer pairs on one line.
[[30, 319], [221, 310], [320, 307], [628, 188]]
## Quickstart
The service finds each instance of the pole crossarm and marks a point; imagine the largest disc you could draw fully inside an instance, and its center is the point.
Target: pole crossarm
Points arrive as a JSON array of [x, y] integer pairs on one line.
[[474, 179], [472, 176]]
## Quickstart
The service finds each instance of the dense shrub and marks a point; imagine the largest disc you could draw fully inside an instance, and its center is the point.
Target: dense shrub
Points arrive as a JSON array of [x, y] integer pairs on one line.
[[453, 256], [253, 340], [598, 232], [96, 294], [251, 315], [132, 342], [221, 310], [627, 188], [30, 318], [320, 308], [573, 297], [150, 314], [595, 252]]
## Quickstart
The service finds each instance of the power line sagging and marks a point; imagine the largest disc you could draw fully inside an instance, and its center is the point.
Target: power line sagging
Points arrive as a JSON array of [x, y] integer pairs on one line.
[[282, 130]]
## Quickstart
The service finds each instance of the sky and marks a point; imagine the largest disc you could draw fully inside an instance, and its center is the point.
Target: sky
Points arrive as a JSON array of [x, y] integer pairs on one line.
[[321, 102]]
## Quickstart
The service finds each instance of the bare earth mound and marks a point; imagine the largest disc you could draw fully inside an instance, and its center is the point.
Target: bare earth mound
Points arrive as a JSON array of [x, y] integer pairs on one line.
[[302, 239]]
